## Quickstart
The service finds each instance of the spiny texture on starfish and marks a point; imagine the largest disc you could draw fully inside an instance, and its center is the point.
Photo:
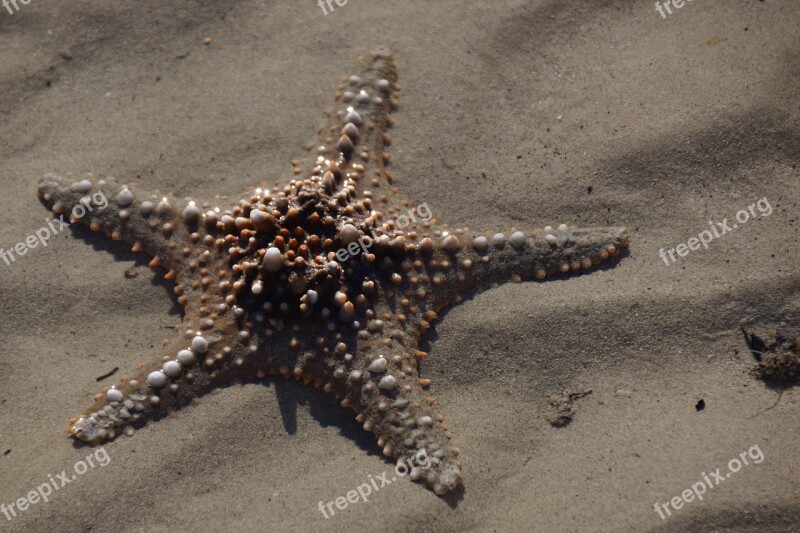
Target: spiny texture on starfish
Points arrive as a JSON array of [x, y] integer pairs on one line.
[[329, 279]]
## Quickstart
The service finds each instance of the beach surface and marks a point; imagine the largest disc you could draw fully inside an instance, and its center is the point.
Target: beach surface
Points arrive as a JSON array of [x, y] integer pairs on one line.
[[511, 113]]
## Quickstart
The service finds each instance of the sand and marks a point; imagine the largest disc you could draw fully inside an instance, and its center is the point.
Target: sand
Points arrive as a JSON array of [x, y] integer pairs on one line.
[[512, 113]]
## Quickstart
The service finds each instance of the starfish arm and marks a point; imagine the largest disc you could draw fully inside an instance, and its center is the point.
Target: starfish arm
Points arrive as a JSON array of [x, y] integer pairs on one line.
[[146, 222], [349, 153], [462, 265], [383, 388], [191, 365]]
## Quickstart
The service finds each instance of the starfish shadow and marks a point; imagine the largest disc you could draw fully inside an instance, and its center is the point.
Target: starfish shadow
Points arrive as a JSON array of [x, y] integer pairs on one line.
[[121, 252], [430, 336], [322, 407], [325, 410]]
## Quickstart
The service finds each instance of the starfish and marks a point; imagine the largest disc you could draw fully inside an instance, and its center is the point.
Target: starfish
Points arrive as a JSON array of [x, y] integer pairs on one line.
[[329, 278]]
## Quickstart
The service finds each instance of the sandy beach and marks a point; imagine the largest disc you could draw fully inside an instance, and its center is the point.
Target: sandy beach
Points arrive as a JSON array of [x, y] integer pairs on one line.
[[511, 113]]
